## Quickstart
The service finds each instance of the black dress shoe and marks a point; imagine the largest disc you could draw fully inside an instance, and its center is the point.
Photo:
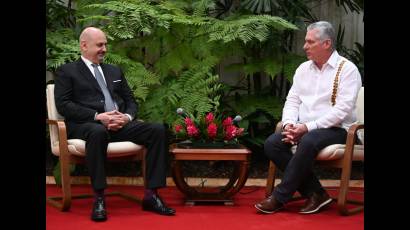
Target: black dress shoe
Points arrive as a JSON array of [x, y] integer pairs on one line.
[[98, 213], [155, 204]]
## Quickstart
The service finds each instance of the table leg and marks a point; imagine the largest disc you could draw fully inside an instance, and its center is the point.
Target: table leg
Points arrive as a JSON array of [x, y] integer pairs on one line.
[[224, 194], [179, 180]]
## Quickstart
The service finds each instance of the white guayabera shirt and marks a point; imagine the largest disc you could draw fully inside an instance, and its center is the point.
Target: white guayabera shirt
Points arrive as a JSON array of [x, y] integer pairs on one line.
[[309, 99]]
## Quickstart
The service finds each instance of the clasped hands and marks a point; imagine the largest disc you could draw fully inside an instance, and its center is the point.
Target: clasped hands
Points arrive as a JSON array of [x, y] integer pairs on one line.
[[293, 133], [113, 120]]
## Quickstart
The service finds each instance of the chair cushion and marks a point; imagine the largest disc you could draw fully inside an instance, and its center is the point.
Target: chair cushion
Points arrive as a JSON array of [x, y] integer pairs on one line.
[[115, 149], [336, 151]]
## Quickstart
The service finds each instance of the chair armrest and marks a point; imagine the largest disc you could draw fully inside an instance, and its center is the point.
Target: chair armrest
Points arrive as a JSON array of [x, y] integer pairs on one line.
[[351, 134], [350, 142], [62, 135]]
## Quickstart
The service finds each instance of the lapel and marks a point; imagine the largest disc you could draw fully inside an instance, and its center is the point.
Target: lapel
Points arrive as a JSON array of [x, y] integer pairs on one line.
[[85, 71]]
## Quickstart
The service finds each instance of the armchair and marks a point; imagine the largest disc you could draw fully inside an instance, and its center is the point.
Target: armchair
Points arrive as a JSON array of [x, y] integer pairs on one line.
[[72, 151], [339, 156]]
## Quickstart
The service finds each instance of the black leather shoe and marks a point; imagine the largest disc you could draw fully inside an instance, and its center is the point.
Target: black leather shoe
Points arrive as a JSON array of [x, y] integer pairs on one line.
[[99, 214], [155, 204]]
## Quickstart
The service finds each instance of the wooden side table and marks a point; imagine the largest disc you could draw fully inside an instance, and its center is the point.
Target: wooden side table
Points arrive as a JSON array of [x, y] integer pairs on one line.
[[241, 157]]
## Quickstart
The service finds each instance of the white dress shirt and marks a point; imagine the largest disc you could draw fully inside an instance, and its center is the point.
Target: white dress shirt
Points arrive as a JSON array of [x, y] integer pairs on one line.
[[309, 99]]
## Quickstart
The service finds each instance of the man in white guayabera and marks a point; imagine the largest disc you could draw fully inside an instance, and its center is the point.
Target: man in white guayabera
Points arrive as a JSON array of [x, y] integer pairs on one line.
[[318, 111]]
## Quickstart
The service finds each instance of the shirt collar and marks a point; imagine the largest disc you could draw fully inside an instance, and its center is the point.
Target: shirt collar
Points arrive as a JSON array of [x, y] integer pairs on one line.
[[332, 61], [86, 61], [334, 58]]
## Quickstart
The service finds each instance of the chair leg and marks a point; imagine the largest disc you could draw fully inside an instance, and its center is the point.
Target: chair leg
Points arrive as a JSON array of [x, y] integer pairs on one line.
[[66, 184], [344, 189], [270, 181], [66, 187]]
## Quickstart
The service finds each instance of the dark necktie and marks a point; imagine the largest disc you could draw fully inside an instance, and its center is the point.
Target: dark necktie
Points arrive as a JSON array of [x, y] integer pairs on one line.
[[109, 103]]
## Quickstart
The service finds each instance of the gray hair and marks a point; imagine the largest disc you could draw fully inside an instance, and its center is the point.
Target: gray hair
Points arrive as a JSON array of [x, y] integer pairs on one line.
[[325, 30]]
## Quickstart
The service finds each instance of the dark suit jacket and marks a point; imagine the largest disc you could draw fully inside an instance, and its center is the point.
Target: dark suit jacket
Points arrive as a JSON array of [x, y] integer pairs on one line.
[[78, 96]]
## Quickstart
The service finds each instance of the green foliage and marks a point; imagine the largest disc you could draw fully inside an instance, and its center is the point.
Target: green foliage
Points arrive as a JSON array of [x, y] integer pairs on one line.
[[62, 47], [291, 63], [257, 111], [58, 15], [246, 28], [139, 78], [248, 105], [130, 18], [195, 90], [285, 64]]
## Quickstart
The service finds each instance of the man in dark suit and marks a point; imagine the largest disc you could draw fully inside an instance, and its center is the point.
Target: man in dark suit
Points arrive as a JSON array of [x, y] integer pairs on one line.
[[99, 108]]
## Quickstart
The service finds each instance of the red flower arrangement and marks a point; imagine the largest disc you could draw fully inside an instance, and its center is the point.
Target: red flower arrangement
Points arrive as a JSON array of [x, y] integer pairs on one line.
[[207, 129]]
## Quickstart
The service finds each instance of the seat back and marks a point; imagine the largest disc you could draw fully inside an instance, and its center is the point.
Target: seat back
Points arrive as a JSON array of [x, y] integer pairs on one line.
[[52, 115], [360, 106], [360, 113]]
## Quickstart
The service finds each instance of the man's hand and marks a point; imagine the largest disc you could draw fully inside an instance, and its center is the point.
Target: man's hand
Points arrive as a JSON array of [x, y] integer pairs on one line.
[[113, 120], [293, 133], [118, 121], [105, 118]]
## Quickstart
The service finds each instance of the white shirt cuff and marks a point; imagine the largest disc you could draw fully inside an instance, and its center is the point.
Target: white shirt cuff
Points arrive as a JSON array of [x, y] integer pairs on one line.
[[129, 116]]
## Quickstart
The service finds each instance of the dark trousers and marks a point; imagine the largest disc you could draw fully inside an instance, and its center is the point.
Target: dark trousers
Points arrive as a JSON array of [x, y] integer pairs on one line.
[[298, 167], [97, 137]]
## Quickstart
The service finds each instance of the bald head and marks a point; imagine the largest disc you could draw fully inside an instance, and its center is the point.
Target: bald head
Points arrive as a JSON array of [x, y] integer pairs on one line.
[[90, 32], [93, 44]]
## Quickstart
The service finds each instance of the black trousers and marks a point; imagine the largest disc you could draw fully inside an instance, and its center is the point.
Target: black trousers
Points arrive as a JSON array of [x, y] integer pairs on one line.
[[97, 137], [298, 168]]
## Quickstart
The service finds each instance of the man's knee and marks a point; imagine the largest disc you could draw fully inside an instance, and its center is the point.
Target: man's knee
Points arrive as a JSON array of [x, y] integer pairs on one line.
[[309, 141], [158, 129], [98, 131], [271, 142]]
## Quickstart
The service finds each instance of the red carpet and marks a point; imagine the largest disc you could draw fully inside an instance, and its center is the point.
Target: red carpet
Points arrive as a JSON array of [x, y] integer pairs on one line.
[[124, 215]]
